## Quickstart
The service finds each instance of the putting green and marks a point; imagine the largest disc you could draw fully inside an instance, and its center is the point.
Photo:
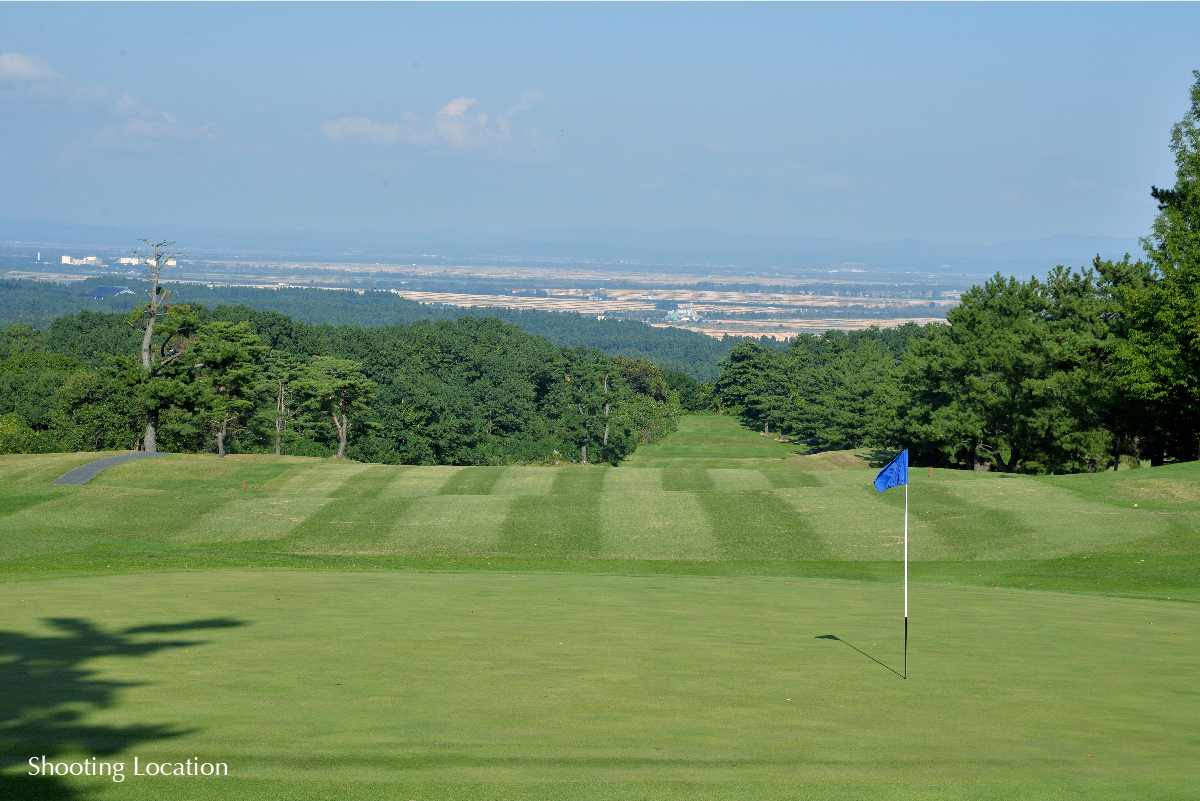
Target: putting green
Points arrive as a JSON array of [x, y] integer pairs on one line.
[[385, 685], [716, 618]]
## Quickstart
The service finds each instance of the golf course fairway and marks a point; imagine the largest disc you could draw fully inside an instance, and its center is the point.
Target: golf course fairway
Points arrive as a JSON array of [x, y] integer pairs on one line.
[[719, 618]]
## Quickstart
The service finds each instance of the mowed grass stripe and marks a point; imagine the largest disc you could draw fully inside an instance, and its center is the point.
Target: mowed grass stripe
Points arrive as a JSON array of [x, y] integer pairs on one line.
[[553, 526], [472, 481], [571, 481], [525, 481], [202, 472], [656, 525], [637, 479], [791, 479], [963, 530], [420, 482], [368, 484], [180, 490], [686, 479], [1029, 503], [451, 525], [271, 510], [15, 499], [361, 517], [738, 480], [76, 521], [759, 525]]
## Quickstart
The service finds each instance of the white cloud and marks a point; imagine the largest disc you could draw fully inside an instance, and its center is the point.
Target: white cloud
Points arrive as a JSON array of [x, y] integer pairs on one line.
[[527, 102], [362, 129], [149, 132], [27, 79], [457, 107], [18, 67], [452, 126], [130, 124]]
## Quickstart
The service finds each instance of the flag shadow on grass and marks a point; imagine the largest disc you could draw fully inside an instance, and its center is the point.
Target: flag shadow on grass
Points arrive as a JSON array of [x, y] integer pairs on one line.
[[48, 688], [864, 653]]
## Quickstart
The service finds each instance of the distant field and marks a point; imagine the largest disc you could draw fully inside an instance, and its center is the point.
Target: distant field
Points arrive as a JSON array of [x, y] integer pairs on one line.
[[783, 329], [655, 630]]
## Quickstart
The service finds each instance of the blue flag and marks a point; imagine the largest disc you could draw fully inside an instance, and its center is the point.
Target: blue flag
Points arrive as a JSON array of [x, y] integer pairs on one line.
[[895, 474]]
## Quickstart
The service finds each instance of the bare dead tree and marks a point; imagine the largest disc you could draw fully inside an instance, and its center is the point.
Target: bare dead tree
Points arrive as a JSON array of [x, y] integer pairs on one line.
[[281, 414], [154, 257]]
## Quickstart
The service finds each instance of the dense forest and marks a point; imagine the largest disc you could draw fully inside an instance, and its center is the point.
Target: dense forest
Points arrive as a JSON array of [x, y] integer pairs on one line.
[[236, 379], [36, 303], [1056, 375]]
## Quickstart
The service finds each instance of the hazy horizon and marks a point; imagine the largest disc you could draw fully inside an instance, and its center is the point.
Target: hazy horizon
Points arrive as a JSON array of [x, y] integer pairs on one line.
[[947, 124]]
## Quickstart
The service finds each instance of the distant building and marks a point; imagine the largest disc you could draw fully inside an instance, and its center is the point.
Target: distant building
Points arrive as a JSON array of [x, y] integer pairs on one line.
[[91, 261], [683, 312], [136, 260]]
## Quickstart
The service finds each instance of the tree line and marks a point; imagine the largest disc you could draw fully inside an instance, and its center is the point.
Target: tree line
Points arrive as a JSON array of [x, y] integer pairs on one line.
[[36, 303], [183, 377], [1063, 374]]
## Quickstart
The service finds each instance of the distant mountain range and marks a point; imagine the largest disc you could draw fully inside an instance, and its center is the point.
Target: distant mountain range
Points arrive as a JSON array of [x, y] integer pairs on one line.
[[683, 250]]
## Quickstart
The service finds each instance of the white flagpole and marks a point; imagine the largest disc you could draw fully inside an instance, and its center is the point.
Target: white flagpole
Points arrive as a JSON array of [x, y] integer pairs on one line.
[[906, 577]]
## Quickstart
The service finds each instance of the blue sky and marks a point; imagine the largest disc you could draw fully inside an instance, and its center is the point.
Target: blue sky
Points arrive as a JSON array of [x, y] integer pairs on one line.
[[952, 123]]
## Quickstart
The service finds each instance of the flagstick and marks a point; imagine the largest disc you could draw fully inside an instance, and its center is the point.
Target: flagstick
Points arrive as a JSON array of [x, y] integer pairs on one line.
[[906, 579]]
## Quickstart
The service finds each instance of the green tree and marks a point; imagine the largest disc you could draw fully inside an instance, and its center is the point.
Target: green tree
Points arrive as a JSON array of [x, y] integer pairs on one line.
[[693, 396], [650, 404], [30, 381], [582, 405], [15, 434], [842, 399], [96, 411], [1079, 400], [602, 407], [225, 355], [277, 403], [18, 339], [1020, 380], [336, 387], [1161, 357], [752, 384]]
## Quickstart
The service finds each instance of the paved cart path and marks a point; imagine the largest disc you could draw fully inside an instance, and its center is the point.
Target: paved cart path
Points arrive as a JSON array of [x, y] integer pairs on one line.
[[86, 472]]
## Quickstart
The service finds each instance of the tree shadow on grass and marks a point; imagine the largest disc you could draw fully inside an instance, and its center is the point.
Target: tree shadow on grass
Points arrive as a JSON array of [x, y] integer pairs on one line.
[[879, 457], [47, 690], [864, 653]]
